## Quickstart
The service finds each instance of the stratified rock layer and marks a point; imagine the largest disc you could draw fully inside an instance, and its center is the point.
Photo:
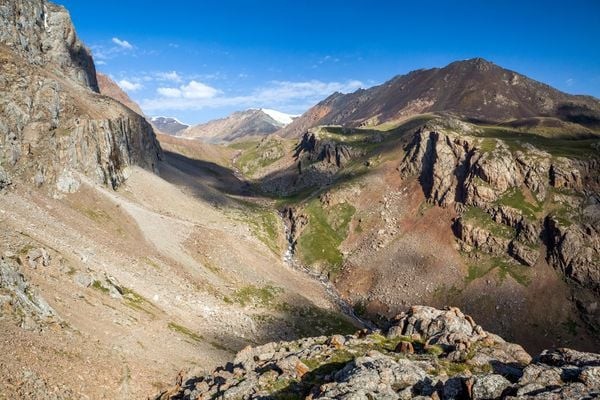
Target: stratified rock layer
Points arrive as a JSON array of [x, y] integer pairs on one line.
[[53, 121]]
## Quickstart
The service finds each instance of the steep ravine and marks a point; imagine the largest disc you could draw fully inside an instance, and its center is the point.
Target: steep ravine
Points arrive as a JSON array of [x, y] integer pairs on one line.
[[290, 226]]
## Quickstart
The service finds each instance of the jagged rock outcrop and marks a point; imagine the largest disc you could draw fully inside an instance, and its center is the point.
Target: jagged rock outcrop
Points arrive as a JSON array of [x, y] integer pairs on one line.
[[427, 354], [18, 299], [42, 33], [53, 121], [318, 160], [575, 250], [312, 149], [458, 166]]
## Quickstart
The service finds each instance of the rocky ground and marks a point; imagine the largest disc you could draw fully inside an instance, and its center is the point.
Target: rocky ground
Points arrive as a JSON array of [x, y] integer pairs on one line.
[[419, 228], [426, 353], [134, 285]]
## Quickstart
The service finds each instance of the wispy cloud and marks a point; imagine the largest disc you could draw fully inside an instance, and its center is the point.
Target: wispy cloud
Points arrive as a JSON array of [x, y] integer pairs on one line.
[[292, 95], [129, 86], [193, 90], [168, 76], [122, 43], [108, 50], [570, 82]]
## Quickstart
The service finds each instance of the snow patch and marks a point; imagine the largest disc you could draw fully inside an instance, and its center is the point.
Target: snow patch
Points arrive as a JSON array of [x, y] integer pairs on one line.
[[154, 119], [279, 116]]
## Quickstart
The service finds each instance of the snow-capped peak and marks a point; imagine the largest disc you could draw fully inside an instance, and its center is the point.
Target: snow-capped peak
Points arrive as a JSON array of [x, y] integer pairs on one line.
[[159, 117], [278, 116]]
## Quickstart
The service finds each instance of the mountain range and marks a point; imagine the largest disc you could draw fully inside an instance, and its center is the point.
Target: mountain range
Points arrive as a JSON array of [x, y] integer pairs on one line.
[[168, 125], [474, 90], [345, 253], [241, 124]]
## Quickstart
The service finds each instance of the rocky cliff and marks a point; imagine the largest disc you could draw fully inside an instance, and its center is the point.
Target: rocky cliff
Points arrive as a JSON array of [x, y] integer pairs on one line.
[[426, 353], [110, 88], [54, 121], [514, 198]]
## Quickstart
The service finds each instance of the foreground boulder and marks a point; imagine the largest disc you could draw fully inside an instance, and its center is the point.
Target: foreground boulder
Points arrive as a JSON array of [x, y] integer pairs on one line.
[[450, 357]]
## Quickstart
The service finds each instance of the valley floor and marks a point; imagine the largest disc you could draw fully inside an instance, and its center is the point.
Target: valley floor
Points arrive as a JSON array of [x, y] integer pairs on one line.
[[144, 281]]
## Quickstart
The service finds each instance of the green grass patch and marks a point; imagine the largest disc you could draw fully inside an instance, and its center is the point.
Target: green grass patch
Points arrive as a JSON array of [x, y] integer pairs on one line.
[[326, 230], [100, 287], [480, 218], [514, 198], [257, 296], [258, 155], [188, 333], [136, 301], [434, 350], [313, 321], [264, 224], [487, 263], [558, 147], [487, 145]]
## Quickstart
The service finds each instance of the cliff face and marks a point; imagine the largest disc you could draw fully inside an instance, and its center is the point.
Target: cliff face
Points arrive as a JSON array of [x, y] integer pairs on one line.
[[43, 34], [53, 121], [110, 88], [516, 200]]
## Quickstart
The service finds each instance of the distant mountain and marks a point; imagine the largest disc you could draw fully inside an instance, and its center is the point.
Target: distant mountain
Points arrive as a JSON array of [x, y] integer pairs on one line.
[[252, 122], [110, 88], [474, 89], [169, 125]]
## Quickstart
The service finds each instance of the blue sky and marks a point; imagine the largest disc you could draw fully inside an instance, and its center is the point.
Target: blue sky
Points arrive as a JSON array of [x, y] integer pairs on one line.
[[199, 60]]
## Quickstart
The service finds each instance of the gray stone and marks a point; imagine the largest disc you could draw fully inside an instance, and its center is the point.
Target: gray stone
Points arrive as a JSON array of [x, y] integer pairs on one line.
[[489, 387]]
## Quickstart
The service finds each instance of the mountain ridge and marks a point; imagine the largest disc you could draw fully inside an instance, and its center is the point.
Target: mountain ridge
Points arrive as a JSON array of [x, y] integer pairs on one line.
[[456, 88], [240, 124]]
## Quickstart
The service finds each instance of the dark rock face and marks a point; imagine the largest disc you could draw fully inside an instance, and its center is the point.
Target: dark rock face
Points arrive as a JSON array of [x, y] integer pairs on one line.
[[452, 358], [311, 150], [54, 125]]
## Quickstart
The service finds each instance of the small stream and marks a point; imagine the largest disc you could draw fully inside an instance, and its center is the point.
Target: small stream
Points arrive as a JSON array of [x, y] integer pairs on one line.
[[290, 260]]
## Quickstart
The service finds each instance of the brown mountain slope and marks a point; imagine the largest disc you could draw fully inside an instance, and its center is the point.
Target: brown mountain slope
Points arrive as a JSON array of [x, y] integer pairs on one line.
[[110, 88], [474, 89], [252, 122]]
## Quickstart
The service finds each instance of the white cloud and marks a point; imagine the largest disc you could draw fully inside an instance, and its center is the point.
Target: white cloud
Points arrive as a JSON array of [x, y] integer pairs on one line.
[[100, 62], [198, 90], [129, 86], [291, 90], [569, 82], [122, 43], [169, 92], [295, 96], [193, 90], [169, 76]]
